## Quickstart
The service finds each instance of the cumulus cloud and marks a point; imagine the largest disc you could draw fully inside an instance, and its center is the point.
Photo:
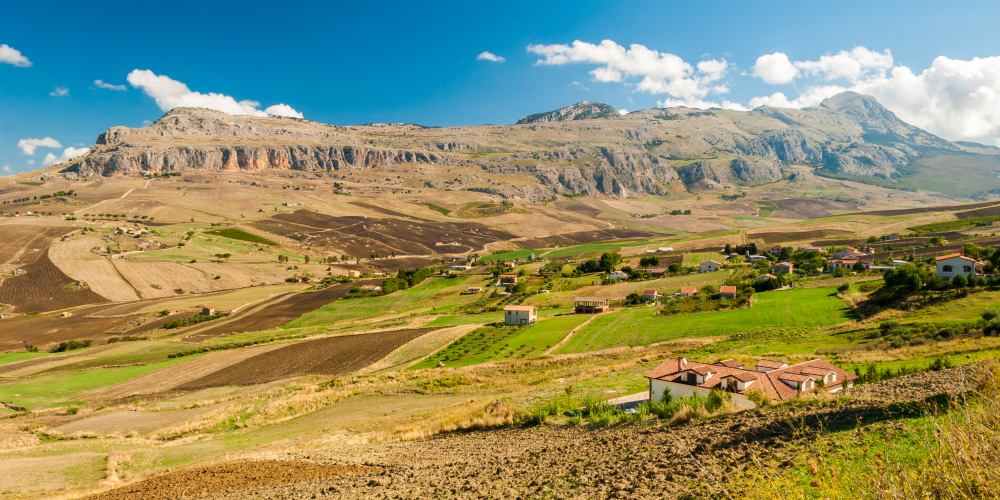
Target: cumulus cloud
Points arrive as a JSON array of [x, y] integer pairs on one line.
[[59, 92], [649, 70], [101, 84], [622, 112], [489, 56], [10, 55], [28, 146], [7, 170], [775, 68], [810, 97], [701, 104], [169, 94], [67, 154]]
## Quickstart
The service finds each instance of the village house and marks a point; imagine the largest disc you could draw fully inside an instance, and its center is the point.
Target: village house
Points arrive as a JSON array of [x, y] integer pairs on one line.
[[727, 292], [472, 290], [371, 288], [783, 268], [709, 266], [765, 277], [656, 272], [508, 279], [207, 310], [951, 265], [755, 258], [688, 291], [650, 294], [852, 253], [590, 305], [519, 315], [775, 380], [459, 267], [353, 273], [617, 276]]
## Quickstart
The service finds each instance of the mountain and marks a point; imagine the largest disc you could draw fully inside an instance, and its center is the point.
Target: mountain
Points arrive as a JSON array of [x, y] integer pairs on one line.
[[584, 110], [586, 148]]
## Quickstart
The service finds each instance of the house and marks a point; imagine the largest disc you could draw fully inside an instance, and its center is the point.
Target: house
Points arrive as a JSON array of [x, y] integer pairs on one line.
[[951, 265], [650, 295], [755, 258], [783, 268], [846, 263], [509, 264], [852, 253], [519, 315], [353, 273], [207, 310], [775, 380], [617, 276], [765, 277], [689, 291], [508, 279], [472, 290], [665, 249], [371, 288], [656, 272], [590, 305], [459, 267], [727, 292], [709, 266]]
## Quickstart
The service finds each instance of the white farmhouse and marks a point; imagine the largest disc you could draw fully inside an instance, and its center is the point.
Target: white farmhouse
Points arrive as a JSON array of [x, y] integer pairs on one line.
[[519, 315], [948, 266], [709, 266]]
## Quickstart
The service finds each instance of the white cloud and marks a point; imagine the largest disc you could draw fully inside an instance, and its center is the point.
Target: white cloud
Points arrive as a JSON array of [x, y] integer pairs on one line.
[[7, 170], [489, 56], [957, 99], [101, 84], [67, 154], [622, 112], [28, 146], [282, 110], [10, 55], [59, 92], [657, 72], [700, 104], [169, 94], [775, 68]]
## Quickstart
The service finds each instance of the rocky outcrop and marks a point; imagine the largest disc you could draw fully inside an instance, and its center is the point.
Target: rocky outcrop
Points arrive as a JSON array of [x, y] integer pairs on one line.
[[747, 171], [585, 110]]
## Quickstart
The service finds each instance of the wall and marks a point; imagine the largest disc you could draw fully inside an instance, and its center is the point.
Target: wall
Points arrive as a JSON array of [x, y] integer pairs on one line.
[[656, 388]]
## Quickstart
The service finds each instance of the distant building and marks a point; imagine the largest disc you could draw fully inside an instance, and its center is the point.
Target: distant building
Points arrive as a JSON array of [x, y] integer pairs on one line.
[[372, 288], [775, 380], [617, 276], [755, 258], [353, 273], [783, 268], [459, 267], [709, 266], [519, 315], [650, 294], [727, 292], [208, 310], [655, 272], [472, 290], [951, 265], [590, 305], [765, 277], [689, 291], [508, 279]]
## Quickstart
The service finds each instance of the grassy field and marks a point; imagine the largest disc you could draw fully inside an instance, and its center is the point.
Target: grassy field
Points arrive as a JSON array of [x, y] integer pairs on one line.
[[800, 308], [239, 234], [14, 357], [696, 258], [496, 342], [963, 309]]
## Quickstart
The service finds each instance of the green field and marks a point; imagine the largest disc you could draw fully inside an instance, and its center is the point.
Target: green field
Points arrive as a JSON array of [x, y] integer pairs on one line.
[[496, 342], [800, 308], [239, 234]]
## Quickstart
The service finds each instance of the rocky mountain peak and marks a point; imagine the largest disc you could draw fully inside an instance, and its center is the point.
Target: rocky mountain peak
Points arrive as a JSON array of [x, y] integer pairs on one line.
[[583, 110]]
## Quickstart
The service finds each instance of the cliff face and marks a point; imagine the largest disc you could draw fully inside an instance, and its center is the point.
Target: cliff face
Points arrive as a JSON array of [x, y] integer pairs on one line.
[[586, 148]]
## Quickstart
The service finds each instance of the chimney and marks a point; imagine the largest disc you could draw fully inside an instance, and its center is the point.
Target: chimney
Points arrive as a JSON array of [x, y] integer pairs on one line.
[[684, 361]]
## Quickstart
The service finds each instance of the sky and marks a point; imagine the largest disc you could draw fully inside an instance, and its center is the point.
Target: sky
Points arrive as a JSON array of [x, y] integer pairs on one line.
[[69, 70]]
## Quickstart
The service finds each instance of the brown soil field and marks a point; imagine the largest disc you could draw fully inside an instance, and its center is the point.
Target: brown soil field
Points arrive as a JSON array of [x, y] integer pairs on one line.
[[775, 237], [808, 208], [43, 287], [325, 356], [362, 236], [21, 241], [980, 212], [278, 313], [46, 329], [229, 478], [644, 460], [576, 238], [943, 208]]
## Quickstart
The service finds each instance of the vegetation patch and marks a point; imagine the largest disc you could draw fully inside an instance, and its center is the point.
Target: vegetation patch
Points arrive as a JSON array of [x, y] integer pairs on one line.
[[239, 234]]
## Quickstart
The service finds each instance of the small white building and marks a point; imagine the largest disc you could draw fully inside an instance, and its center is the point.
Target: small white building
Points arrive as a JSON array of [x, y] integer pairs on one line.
[[459, 267], [949, 266], [519, 315], [617, 276], [709, 266]]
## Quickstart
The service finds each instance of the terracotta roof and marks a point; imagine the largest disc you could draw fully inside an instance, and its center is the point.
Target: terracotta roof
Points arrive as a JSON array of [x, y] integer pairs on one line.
[[727, 289], [770, 363], [700, 369], [795, 377], [690, 290], [731, 363], [742, 376], [954, 256], [649, 292]]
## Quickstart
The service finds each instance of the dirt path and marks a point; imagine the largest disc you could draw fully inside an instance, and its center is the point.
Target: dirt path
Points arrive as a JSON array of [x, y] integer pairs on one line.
[[570, 334]]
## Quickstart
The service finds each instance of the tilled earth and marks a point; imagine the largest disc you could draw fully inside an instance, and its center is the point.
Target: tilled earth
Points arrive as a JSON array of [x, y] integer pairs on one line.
[[624, 461]]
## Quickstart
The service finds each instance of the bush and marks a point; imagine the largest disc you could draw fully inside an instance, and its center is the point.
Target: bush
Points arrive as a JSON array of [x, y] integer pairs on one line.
[[717, 400], [70, 345], [758, 397], [844, 287]]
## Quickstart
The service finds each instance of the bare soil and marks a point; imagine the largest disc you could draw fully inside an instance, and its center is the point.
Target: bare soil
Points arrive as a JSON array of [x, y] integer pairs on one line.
[[645, 460], [326, 356], [776, 237], [576, 238]]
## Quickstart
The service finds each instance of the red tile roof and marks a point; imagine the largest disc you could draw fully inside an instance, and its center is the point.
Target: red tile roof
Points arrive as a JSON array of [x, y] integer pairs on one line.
[[689, 290], [727, 289], [954, 256]]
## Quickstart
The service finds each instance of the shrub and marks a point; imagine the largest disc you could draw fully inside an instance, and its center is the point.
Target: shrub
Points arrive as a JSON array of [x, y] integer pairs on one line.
[[70, 345], [758, 397], [717, 400]]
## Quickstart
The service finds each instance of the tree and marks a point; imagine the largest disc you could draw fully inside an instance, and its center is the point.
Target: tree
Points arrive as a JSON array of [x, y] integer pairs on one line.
[[610, 261], [649, 261]]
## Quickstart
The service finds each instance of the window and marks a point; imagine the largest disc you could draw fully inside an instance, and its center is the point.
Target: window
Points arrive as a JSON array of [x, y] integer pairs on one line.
[[967, 269], [947, 268]]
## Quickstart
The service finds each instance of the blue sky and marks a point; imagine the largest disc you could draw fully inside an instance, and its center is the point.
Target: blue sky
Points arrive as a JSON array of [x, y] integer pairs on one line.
[[417, 62]]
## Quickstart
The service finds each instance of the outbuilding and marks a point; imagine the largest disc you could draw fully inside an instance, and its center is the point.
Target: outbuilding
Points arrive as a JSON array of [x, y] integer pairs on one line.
[[519, 315]]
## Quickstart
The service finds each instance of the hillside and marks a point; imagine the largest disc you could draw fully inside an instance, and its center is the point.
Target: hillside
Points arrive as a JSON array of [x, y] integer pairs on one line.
[[586, 148]]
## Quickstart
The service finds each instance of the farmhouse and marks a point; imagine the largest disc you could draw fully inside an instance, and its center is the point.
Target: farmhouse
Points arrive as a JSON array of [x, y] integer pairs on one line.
[[353, 273], [951, 265], [783, 268], [459, 267], [775, 380], [590, 305], [472, 290], [656, 272], [617, 276], [208, 310], [519, 315], [508, 279], [709, 266], [765, 277], [689, 291], [650, 295], [727, 291]]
